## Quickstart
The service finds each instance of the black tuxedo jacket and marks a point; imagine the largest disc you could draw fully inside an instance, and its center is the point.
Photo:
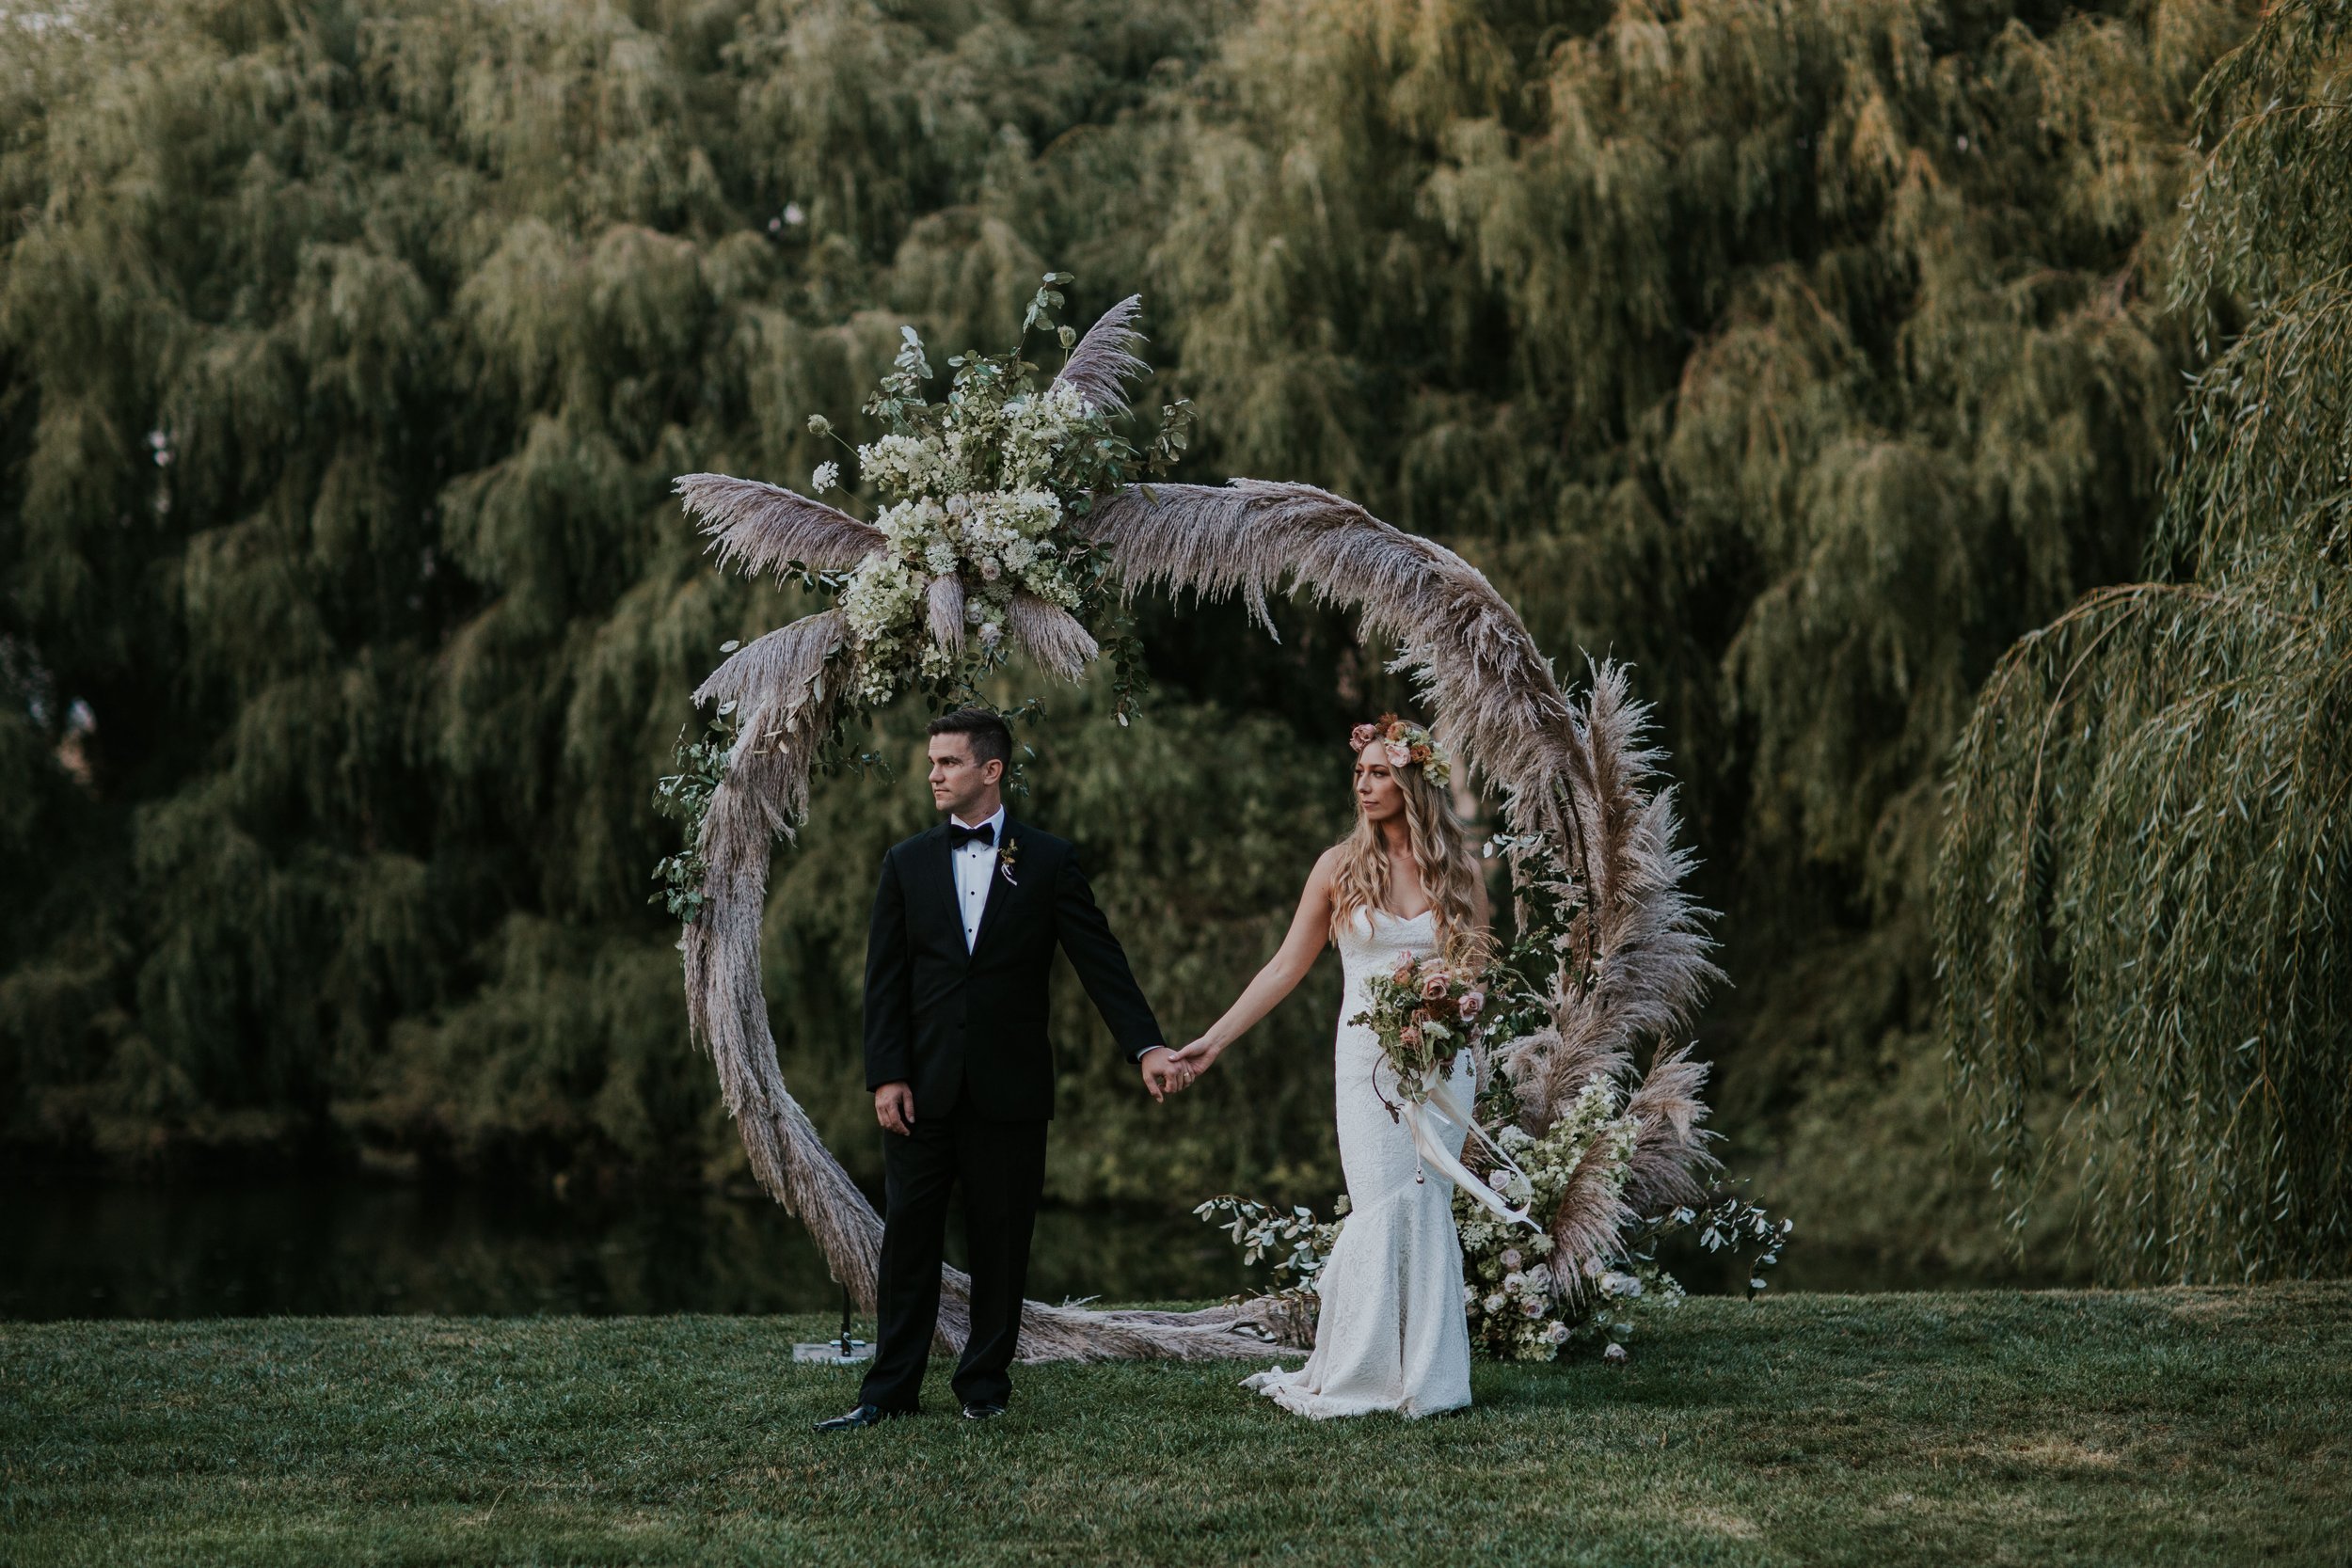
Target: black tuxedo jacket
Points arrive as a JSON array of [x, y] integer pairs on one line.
[[943, 1021]]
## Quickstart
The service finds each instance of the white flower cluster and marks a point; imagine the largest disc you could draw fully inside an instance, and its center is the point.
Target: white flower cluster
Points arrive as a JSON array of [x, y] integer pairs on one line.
[[908, 465], [885, 607], [1036, 431], [1518, 1309], [1516, 1302], [975, 502], [1007, 537]]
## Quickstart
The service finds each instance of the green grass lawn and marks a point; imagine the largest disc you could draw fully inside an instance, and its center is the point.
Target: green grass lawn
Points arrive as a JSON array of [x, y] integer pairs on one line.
[[2137, 1428]]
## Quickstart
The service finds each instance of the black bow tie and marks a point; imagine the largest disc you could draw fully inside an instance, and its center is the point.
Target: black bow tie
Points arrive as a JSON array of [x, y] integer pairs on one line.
[[958, 835]]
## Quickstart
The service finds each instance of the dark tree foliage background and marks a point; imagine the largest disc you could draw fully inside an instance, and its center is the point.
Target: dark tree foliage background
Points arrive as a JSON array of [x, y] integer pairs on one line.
[[2146, 916], [1805, 354]]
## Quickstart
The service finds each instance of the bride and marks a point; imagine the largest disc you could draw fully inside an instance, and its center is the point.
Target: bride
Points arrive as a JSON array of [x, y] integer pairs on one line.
[[1390, 1333]]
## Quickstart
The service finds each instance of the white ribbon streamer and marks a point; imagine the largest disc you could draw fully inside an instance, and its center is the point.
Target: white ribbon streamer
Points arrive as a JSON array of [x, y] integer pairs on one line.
[[1445, 1106]]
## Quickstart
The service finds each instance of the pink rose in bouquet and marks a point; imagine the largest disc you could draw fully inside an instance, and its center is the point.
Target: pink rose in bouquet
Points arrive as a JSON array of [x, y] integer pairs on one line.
[[1434, 984], [1473, 1004]]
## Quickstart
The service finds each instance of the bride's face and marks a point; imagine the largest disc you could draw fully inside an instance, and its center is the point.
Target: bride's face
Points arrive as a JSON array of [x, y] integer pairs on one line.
[[1377, 793]]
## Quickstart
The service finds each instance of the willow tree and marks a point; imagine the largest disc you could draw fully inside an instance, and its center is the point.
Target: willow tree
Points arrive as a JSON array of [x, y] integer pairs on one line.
[[346, 352], [2146, 888], [1803, 354]]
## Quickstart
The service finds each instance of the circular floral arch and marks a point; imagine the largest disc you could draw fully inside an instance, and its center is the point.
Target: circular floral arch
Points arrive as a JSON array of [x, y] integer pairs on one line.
[[1596, 876]]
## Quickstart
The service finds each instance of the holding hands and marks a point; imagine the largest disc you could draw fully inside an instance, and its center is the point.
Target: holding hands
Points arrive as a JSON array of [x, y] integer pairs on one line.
[[1201, 1054], [1165, 1072]]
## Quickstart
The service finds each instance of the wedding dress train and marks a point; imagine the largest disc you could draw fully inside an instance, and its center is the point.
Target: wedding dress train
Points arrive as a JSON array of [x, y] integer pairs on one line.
[[1391, 1332]]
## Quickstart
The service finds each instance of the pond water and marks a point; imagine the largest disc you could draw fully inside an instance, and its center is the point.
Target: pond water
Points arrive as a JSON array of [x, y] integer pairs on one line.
[[358, 1247], [75, 1247]]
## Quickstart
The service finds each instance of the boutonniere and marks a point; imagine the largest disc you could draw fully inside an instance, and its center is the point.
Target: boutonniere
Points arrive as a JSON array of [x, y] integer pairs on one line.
[[1005, 858]]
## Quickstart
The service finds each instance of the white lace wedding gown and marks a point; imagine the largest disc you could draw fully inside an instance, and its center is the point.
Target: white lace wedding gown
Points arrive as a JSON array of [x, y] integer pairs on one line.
[[1391, 1333]]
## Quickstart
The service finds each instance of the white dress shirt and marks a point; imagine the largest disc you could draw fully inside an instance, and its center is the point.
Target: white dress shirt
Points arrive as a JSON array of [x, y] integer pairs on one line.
[[975, 862]]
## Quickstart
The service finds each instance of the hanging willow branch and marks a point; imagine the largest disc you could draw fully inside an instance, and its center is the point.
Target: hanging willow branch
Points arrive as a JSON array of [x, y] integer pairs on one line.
[[2145, 891]]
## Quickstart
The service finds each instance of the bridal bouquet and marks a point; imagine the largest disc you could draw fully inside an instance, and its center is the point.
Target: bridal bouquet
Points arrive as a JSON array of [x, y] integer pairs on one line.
[[1422, 1013]]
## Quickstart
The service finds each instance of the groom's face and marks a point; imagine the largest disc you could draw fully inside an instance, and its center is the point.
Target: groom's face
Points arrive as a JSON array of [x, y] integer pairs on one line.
[[959, 783]]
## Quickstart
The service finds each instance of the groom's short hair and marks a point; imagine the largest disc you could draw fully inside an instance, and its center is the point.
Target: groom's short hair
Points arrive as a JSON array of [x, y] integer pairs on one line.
[[991, 737]]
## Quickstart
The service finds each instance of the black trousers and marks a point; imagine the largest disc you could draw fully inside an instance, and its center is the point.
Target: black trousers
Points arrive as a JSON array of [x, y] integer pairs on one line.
[[1001, 1167]]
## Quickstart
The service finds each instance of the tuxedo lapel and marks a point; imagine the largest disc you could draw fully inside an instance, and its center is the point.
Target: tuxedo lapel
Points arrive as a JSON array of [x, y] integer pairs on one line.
[[939, 867]]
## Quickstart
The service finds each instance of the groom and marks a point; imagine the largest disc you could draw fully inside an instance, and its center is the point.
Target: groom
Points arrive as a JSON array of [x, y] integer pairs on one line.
[[965, 923]]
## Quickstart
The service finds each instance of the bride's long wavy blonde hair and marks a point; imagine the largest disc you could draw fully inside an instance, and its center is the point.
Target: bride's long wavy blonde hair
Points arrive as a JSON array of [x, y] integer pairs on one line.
[[1441, 851]]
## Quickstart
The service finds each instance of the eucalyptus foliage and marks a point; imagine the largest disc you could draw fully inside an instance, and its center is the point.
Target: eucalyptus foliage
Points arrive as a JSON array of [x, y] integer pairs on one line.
[[2146, 888]]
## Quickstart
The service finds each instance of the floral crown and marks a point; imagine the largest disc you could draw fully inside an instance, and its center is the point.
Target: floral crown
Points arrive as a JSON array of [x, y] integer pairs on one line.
[[1408, 746]]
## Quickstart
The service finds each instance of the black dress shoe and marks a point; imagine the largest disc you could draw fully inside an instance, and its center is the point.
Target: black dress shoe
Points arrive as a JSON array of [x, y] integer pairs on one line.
[[982, 1412], [864, 1415]]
